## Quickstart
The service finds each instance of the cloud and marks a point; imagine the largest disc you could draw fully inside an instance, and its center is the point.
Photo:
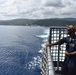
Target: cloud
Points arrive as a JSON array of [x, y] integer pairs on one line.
[[53, 3], [37, 9]]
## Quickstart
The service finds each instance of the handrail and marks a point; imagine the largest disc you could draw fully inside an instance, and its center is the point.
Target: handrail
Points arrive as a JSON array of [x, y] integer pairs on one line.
[[54, 55], [47, 63]]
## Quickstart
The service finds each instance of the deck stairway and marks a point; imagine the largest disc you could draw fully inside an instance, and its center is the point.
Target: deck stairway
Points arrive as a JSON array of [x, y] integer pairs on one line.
[[53, 57]]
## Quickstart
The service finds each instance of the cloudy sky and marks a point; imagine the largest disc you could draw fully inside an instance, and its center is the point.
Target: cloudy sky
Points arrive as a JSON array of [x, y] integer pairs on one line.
[[37, 9]]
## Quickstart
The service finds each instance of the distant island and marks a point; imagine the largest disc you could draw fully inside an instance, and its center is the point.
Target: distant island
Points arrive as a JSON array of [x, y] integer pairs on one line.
[[40, 22]]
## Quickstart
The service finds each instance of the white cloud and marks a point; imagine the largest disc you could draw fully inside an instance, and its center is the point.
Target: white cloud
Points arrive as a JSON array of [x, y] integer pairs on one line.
[[37, 8]]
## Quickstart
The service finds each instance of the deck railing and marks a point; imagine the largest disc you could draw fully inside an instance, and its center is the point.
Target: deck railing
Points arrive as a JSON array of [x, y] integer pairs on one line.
[[53, 57], [47, 63]]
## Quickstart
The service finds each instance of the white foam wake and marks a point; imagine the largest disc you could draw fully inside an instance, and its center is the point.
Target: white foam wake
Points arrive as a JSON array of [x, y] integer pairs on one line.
[[37, 60]]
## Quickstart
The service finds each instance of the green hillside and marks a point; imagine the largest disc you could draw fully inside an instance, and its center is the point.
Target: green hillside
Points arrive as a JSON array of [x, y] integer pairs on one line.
[[55, 22], [41, 22]]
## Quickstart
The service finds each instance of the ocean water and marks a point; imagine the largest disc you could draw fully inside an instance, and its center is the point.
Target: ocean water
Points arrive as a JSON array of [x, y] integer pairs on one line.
[[21, 49]]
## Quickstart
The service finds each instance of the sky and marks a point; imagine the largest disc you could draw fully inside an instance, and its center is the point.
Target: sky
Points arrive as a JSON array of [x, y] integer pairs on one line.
[[37, 9]]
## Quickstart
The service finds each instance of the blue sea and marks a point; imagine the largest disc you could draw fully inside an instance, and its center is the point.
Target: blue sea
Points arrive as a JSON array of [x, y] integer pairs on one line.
[[21, 49]]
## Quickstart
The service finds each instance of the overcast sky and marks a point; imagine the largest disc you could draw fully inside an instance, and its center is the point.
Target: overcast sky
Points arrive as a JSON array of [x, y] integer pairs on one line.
[[37, 9]]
